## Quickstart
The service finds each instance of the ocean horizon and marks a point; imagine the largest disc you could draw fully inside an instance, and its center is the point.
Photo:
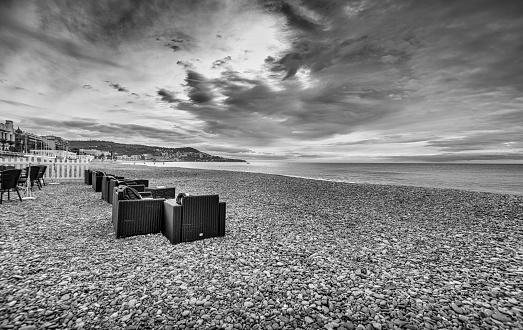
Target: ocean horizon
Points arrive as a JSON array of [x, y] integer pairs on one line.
[[494, 178]]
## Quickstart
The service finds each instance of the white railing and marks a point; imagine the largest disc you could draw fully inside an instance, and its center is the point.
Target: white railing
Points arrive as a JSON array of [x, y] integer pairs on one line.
[[66, 169]]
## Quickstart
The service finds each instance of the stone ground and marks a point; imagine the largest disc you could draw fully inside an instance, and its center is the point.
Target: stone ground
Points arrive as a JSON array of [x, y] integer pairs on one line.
[[298, 254]]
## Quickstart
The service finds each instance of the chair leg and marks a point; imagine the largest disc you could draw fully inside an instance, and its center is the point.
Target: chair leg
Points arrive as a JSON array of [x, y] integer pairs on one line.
[[1, 196], [18, 192]]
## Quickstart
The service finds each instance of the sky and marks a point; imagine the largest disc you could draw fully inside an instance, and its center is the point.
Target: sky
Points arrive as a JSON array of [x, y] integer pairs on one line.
[[310, 80]]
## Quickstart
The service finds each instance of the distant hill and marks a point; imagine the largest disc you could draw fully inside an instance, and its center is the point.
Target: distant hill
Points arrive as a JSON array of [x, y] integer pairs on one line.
[[185, 154]]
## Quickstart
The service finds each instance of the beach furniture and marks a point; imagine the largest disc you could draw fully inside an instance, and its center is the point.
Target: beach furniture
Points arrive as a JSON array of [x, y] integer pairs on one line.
[[162, 192], [197, 217], [138, 184], [88, 177], [41, 174], [97, 180], [136, 216], [9, 181], [31, 176], [105, 184]]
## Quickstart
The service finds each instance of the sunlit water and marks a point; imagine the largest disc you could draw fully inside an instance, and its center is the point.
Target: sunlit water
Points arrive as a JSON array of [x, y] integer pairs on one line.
[[498, 178]]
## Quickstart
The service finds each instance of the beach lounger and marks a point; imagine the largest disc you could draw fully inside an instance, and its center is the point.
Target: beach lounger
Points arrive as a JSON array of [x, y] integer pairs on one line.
[[9, 181], [137, 216], [198, 217]]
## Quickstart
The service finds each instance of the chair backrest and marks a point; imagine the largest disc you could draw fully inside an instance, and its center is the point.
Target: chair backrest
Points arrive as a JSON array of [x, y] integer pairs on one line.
[[42, 170], [32, 172], [10, 178], [6, 167], [200, 215]]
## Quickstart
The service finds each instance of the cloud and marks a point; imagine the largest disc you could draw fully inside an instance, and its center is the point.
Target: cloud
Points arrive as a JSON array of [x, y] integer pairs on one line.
[[198, 89], [118, 87], [167, 96]]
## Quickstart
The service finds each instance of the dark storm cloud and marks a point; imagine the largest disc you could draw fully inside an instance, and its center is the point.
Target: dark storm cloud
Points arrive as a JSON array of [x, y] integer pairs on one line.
[[167, 96], [198, 88]]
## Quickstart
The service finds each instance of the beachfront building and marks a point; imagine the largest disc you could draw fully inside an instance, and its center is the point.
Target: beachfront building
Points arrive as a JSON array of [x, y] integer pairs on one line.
[[16, 140], [7, 136]]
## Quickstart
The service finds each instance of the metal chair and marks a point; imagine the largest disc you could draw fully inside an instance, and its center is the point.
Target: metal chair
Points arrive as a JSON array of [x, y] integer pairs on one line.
[[31, 175], [9, 181], [41, 174]]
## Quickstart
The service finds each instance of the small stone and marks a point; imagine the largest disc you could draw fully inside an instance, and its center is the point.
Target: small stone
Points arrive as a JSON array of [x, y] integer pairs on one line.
[[27, 327], [126, 318], [456, 308], [308, 319], [66, 297], [200, 302], [348, 325], [463, 318], [376, 325], [512, 301], [185, 313], [132, 303], [500, 317], [248, 304]]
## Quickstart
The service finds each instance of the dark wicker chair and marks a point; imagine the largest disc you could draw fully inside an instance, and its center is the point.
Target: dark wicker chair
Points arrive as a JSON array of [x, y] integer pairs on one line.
[[88, 177], [136, 217], [105, 185], [128, 182], [198, 217], [9, 182], [96, 180]]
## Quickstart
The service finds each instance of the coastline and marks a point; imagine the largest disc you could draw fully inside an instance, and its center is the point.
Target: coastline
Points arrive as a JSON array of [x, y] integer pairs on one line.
[[298, 253]]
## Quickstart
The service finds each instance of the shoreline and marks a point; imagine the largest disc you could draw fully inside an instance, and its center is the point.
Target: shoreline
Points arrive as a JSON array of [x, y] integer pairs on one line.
[[502, 192], [297, 253]]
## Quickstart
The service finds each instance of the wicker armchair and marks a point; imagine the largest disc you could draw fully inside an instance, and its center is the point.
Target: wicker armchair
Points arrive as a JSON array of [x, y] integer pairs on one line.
[[136, 217], [96, 180], [128, 182], [105, 185], [88, 177], [198, 217]]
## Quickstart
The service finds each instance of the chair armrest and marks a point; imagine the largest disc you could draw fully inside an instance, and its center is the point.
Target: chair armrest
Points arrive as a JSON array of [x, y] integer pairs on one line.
[[146, 194], [172, 223]]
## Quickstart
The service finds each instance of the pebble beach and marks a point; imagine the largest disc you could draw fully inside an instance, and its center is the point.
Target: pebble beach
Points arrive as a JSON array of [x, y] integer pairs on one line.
[[297, 254]]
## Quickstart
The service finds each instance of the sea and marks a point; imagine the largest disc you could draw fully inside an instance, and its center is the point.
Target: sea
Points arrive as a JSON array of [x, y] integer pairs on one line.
[[496, 178]]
